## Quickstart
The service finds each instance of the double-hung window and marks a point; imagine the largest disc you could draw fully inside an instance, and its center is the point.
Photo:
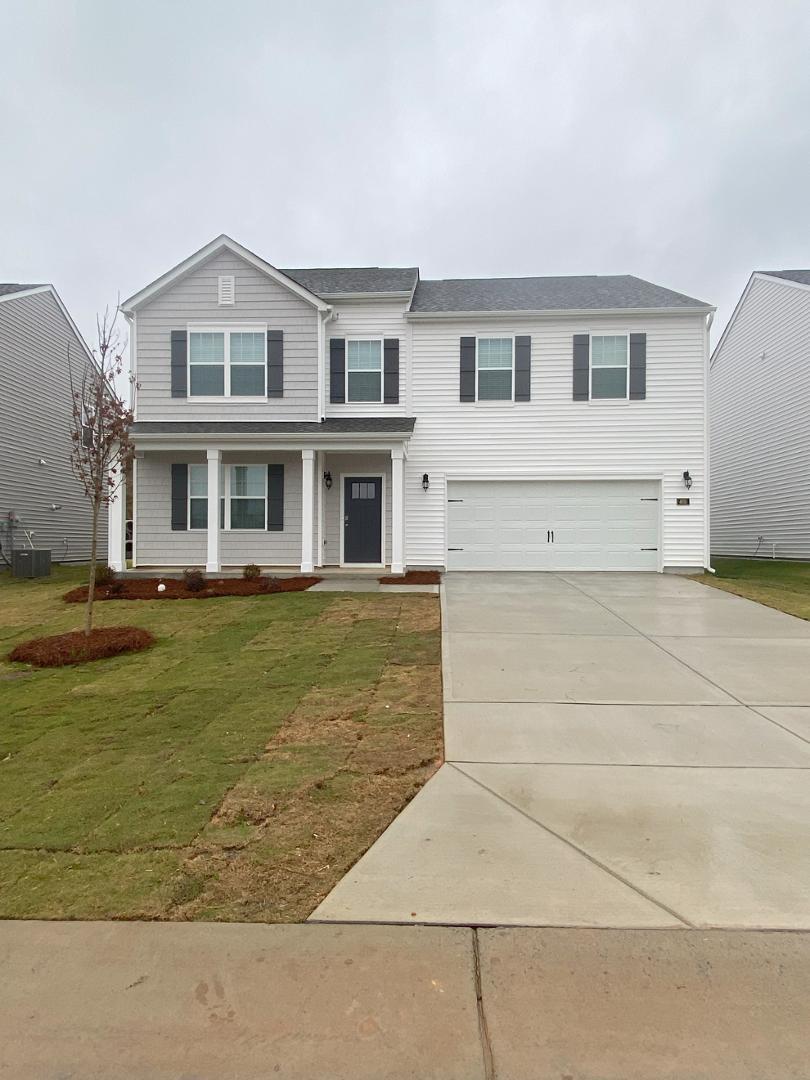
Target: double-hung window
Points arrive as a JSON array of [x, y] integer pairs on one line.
[[609, 366], [495, 369], [227, 363], [364, 380], [244, 497]]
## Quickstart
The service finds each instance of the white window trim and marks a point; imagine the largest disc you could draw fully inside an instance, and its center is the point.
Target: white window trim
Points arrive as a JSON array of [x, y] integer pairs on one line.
[[608, 367], [494, 401], [225, 496], [365, 401], [360, 475], [226, 330]]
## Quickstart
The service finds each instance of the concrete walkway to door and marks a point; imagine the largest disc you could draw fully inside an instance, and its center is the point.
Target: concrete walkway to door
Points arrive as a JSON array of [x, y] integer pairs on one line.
[[623, 750]]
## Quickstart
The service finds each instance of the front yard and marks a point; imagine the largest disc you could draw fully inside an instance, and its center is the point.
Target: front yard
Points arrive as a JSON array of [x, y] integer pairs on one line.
[[773, 582], [236, 770]]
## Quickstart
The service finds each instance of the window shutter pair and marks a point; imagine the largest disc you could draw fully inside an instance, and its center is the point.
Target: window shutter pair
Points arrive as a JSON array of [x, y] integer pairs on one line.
[[275, 363], [337, 371], [637, 369], [522, 361], [275, 497]]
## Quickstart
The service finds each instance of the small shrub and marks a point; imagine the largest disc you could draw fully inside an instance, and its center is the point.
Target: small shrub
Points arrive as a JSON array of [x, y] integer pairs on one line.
[[115, 588], [194, 580], [104, 575], [252, 572]]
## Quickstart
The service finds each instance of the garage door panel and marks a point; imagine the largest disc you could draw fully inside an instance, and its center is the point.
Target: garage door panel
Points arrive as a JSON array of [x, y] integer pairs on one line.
[[595, 525]]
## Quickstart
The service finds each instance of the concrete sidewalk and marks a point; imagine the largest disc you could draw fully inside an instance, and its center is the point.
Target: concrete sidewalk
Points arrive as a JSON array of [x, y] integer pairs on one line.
[[197, 1001]]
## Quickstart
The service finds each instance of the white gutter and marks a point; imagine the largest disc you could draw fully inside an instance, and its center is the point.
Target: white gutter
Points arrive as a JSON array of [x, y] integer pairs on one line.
[[323, 318]]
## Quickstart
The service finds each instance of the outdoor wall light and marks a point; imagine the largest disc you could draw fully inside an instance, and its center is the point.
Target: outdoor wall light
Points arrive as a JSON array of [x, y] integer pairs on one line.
[[687, 479], [327, 479], [425, 481]]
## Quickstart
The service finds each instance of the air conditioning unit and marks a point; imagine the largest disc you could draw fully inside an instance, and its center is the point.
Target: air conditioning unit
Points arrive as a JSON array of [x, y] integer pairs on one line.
[[31, 563]]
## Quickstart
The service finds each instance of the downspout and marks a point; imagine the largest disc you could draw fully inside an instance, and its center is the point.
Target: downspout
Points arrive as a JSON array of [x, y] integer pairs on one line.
[[707, 448], [323, 318]]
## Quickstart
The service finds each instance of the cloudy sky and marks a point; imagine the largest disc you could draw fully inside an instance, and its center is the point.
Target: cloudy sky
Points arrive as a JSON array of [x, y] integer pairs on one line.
[[470, 138]]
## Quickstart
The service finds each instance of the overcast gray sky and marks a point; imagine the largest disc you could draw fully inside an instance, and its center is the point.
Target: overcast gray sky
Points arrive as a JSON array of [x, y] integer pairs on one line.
[[472, 139]]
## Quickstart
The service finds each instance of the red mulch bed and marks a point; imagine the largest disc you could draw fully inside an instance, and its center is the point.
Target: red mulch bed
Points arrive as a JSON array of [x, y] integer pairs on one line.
[[77, 648], [413, 577], [146, 588]]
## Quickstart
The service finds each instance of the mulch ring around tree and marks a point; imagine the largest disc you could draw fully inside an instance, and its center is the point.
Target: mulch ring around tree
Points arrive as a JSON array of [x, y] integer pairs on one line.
[[413, 577], [176, 589], [78, 647]]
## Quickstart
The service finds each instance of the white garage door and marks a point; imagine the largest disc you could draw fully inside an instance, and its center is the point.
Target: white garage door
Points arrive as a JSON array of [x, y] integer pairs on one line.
[[552, 525]]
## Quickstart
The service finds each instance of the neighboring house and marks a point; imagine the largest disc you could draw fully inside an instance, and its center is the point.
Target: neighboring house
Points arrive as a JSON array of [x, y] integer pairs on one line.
[[39, 494], [760, 427], [366, 417]]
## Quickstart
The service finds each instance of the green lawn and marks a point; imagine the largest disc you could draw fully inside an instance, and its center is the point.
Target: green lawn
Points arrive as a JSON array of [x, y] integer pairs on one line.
[[773, 582], [234, 771]]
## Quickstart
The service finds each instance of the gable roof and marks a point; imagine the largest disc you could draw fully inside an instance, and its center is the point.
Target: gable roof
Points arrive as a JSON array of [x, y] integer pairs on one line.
[[801, 277], [7, 288], [591, 293], [221, 243], [334, 281]]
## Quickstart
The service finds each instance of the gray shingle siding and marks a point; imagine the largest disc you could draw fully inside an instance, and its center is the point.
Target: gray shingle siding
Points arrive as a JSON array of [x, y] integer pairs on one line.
[[801, 277], [35, 417], [7, 288]]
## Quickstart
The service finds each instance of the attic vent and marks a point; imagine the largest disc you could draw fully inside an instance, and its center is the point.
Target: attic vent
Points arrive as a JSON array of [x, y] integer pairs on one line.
[[227, 289]]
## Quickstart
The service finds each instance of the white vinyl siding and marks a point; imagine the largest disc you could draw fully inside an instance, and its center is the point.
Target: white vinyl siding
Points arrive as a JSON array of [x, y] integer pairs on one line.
[[554, 436], [192, 301], [760, 419]]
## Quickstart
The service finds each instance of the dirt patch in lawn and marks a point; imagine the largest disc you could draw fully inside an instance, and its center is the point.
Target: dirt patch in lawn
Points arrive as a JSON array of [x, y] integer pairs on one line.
[[413, 577], [78, 647], [176, 589]]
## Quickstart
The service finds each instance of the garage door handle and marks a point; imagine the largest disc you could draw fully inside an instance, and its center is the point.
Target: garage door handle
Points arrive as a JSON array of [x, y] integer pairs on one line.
[[455, 549], [550, 536]]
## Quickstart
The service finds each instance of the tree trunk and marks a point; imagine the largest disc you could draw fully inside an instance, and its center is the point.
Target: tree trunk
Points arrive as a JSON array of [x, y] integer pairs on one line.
[[91, 585]]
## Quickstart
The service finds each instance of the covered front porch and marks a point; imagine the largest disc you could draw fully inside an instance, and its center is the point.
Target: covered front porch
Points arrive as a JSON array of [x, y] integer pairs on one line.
[[219, 500]]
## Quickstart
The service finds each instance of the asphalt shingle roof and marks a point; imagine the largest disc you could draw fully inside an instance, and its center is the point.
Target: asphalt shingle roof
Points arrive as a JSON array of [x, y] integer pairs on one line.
[[800, 276], [8, 287], [382, 425], [336, 281], [546, 294]]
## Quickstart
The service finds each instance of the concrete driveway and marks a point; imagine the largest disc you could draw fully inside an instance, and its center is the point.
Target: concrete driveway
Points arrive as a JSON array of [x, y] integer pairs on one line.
[[623, 750]]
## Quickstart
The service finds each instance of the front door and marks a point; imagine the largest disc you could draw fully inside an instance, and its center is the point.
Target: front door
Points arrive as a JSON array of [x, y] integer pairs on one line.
[[362, 519]]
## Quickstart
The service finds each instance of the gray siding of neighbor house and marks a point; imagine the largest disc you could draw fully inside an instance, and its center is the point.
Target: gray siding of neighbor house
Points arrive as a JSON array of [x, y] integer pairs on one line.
[[158, 545], [259, 299], [35, 412]]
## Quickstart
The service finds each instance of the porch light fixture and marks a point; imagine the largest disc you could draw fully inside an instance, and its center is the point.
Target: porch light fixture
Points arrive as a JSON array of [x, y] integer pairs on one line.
[[425, 481], [327, 479], [687, 480]]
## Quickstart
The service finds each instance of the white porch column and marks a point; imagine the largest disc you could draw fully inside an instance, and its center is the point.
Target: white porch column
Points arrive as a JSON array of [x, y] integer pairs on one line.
[[397, 511], [117, 528], [212, 559], [319, 468], [307, 500]]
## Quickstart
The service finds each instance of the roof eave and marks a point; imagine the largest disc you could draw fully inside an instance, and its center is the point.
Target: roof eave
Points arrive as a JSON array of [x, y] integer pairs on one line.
[[553, 313]]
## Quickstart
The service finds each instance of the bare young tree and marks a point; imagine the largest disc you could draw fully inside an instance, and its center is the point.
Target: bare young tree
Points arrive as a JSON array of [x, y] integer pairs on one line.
[[101, 449]]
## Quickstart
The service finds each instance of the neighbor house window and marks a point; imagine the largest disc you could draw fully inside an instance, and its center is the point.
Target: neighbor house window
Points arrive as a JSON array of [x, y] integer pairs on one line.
[[494, 369], [243, 502], [227, 363], [364, 370], [609, 353]]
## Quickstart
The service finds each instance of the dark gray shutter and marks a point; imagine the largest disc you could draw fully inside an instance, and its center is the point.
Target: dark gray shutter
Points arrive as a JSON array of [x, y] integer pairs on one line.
[[179, 497], [582, 350], [179, 368], [275, 363], [337, 370], [275, 498], [523, 368], [467, 369], [638, 367], [391, 371]]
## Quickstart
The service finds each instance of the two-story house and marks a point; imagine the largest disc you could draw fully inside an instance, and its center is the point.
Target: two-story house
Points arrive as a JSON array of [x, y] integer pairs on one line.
[[366, 417]]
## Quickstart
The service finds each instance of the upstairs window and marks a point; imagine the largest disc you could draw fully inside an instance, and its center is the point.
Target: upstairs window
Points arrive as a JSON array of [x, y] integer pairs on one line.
[[609, 359], [227, 363], [364, 380], [494, 369]]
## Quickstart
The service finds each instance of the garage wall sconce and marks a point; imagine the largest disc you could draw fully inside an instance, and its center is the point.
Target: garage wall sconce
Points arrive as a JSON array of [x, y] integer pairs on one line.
[[327, 480], [687, 480], [425, 481]]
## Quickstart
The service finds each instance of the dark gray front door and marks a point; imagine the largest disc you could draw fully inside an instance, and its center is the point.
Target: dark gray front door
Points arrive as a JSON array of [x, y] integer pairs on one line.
[[362, 519]]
